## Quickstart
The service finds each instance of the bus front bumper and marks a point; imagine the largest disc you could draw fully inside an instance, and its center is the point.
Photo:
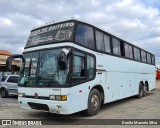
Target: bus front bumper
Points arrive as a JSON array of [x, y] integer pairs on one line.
[[58, 107]]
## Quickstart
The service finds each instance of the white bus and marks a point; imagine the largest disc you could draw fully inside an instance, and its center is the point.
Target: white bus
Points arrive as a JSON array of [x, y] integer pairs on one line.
[[72, 66]]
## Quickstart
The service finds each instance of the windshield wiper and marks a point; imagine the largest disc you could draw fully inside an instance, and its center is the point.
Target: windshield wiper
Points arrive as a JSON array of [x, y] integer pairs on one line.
[[53, 77]]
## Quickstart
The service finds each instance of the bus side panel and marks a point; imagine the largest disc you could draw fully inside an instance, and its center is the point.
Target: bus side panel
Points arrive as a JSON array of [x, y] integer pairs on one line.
[[111, 87], [121, 85], [151, 82], [124, 88], [129, 85]]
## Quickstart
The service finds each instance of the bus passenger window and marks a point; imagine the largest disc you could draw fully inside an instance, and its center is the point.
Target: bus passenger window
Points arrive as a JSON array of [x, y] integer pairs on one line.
[[137, 54], [99, 41], [122, 49], [143, 56], [128, 51], [153, 59], [84, 36], [116, 47], [107, 44], [148, 58]]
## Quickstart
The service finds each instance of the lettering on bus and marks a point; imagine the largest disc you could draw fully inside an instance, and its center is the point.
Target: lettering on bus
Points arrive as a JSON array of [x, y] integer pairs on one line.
[[52, 28], [51, 34]]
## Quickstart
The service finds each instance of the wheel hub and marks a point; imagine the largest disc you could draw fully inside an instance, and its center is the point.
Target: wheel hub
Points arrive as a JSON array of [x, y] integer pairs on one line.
[[3, 93], [94, 102]]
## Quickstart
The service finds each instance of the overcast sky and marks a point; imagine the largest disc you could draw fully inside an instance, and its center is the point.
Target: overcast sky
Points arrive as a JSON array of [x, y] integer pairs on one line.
[[136, 21]]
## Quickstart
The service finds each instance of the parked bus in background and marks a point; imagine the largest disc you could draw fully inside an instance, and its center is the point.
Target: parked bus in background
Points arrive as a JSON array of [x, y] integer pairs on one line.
[[72, 66]]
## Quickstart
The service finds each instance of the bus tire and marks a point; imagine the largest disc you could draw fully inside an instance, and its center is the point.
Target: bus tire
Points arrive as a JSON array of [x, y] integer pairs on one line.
[[94, 103], [141, 91], [144, 90], [4, 93]]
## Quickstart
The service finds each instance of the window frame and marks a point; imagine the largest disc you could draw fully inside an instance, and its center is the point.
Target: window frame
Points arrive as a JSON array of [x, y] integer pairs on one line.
[[85, 73], [75, 30], [138, 55], [57, 42], [119, 47], [102, 43], [149, 61], [70, 68], [143, 56], [87, 79], [130, 51], [13, 79], [111, 44], [153, 59]]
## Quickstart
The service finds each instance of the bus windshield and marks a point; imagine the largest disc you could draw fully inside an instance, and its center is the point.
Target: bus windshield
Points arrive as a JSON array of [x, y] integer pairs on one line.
[[41, 69]]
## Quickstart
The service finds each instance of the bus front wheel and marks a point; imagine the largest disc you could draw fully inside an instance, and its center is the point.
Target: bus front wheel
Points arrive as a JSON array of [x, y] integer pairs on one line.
[[94, 103]]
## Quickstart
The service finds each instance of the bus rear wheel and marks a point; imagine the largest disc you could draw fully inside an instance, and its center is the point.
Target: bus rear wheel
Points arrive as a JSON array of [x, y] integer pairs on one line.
[[141, 91], [94, 103], [144, 90]]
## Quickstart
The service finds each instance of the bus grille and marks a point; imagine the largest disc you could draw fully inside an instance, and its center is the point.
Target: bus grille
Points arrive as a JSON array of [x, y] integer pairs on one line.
[[38, 106]]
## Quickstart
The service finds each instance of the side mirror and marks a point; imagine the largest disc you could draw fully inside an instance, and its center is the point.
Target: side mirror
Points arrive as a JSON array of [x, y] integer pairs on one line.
[[11, 58], [62, 60]]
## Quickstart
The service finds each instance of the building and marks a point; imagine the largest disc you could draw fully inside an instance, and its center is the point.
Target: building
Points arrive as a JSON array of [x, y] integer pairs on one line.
[[15, 64]]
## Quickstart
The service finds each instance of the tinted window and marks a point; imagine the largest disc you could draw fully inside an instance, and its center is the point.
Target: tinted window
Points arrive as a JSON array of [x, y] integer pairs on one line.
[[143, 56], [29, 69], [84, 36], [13, 79], [78, 67], [148, 58], [99, 41], [116, 46], [16, 79], [128, 51], [3, 79], [51, 34], [153, 60], [107, 44], [90, 67], [83, 67], [137, 54]]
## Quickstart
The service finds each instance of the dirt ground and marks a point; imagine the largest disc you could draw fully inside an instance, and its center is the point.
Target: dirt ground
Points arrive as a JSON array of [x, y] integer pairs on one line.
[[130, 108]]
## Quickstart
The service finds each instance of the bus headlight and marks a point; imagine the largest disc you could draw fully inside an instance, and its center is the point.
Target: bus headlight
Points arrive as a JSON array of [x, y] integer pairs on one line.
[[21, 94], [58, 97], [52, 97]]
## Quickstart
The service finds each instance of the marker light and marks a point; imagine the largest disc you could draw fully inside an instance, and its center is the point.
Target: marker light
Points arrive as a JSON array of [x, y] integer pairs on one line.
[[64, 98]]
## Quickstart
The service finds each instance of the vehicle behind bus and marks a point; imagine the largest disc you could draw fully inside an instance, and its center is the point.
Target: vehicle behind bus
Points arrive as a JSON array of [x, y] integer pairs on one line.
[[157, 73]]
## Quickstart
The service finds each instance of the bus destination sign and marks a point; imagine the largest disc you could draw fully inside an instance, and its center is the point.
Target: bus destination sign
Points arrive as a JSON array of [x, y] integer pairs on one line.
[[51, 34]]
